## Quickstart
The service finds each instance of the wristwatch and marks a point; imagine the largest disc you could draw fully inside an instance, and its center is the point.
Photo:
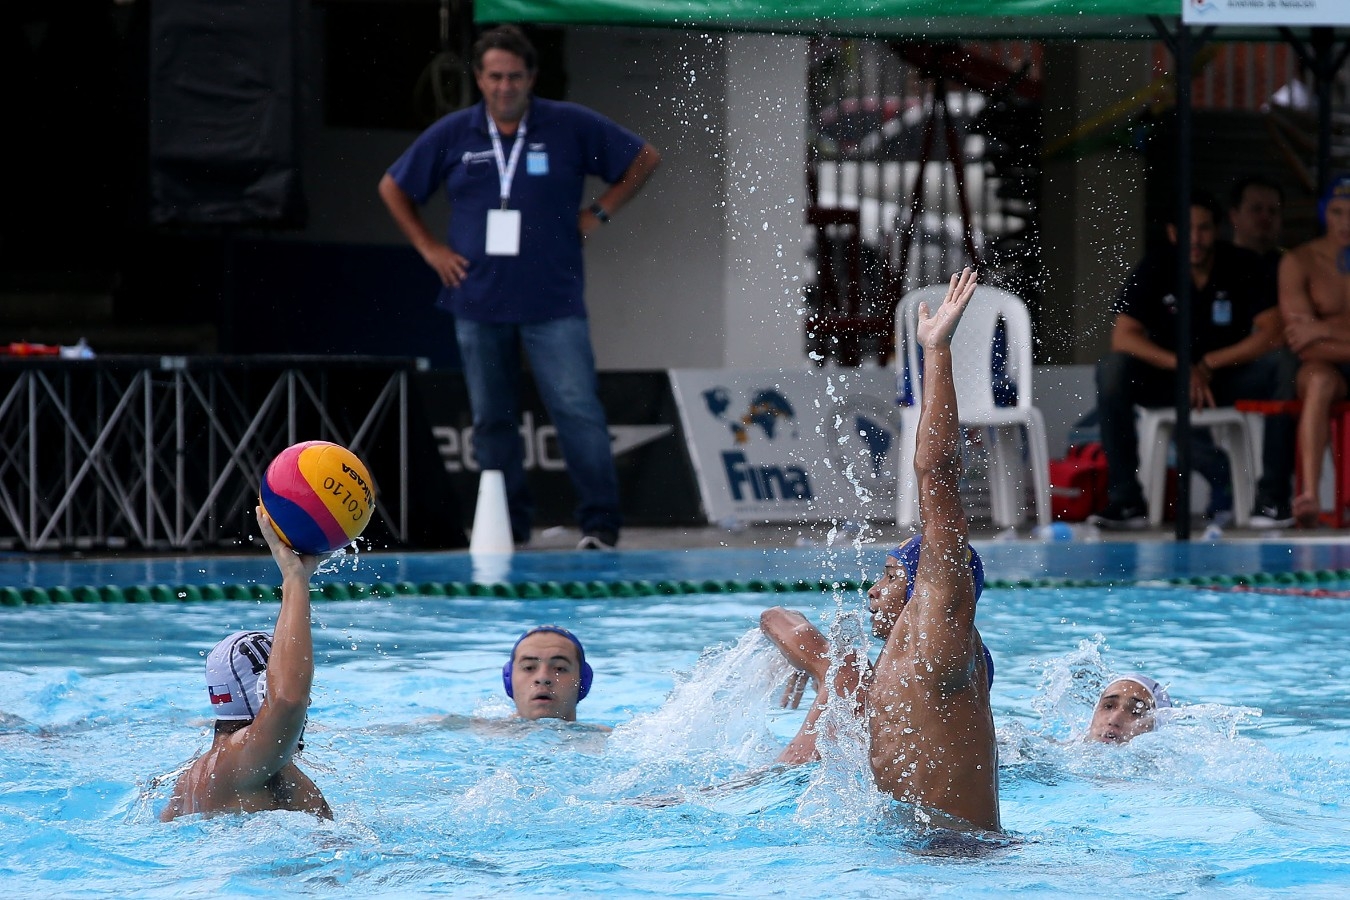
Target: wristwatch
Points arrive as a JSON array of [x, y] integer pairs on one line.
[[599, 212]]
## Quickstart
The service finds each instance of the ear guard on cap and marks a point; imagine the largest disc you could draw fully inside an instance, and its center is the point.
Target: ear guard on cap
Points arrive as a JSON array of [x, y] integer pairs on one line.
[[907, 554], [587, 673]]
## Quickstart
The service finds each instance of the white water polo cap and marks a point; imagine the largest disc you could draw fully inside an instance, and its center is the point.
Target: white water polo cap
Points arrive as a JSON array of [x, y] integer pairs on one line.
[[1161, 699], [236, 675]]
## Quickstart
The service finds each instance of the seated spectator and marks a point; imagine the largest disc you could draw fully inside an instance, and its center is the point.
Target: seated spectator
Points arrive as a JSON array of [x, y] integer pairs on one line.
[[1256, 216], [1236, 352], [1315, 303]]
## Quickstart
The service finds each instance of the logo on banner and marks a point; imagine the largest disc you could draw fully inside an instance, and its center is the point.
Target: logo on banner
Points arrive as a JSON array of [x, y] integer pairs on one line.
[[541, 449], [768, 417], [868, 439]]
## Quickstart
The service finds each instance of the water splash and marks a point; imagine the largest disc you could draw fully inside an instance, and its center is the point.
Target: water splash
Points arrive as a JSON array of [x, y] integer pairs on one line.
[[717, 713], [841, 792]]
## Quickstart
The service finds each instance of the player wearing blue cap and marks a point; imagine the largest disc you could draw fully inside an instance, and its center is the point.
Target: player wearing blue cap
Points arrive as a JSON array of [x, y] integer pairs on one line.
[[927, 698], [809, 651], [547, 674], [1315, 304]]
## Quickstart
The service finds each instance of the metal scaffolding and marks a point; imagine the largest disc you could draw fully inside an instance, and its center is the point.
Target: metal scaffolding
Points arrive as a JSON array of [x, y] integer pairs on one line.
[[167, 452]]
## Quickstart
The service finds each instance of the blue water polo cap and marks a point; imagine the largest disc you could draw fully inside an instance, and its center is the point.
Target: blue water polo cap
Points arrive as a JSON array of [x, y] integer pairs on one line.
[[908, 555], [587, 673], [1339, 189]]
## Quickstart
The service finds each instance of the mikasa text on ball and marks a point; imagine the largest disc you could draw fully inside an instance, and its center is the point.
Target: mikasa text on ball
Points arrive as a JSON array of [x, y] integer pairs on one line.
[[318, 495]]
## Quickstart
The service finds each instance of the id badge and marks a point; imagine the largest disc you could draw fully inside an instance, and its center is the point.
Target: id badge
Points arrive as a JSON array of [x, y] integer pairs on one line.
[[1223, 311], [503, 232]]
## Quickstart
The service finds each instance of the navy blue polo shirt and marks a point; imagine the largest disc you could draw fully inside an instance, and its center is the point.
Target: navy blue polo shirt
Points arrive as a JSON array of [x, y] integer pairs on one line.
[[1221, 314], [564, 143]]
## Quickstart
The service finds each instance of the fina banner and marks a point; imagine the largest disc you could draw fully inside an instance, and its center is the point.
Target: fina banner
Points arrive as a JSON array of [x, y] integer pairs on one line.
[[791, 445], [1265, 12]]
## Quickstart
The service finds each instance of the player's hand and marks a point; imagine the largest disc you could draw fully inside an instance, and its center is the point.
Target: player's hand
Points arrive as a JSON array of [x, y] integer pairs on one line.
[[292, 564], [794, 689], [449, 265], [936, 328]]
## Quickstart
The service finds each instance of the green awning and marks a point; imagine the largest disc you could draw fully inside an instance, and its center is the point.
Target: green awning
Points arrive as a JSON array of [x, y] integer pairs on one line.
[[920, 19]]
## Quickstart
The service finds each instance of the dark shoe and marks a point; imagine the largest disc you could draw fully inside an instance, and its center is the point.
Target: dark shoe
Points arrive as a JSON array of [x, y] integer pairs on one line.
[[1272, 515], [598, 540], [1117, 517]]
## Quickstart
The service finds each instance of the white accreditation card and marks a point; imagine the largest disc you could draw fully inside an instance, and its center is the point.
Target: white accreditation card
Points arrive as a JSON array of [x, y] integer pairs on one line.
[[503, 232]]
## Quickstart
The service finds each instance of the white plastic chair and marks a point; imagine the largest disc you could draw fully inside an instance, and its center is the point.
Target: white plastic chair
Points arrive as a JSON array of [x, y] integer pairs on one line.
[[972, 346], [1233, 435]]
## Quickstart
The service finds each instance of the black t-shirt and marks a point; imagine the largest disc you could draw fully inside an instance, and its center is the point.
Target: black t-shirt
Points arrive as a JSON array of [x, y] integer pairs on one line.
[[1221, 314]]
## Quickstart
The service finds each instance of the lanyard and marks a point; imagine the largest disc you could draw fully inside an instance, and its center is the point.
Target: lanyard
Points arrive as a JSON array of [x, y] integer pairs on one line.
[[506, 171]]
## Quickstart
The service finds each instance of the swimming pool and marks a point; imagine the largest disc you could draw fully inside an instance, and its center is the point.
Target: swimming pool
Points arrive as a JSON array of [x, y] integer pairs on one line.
[[1225, 801]]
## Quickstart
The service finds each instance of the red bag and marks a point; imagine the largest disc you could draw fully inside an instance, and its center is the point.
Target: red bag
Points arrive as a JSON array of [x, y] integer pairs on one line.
[[1078, 483]]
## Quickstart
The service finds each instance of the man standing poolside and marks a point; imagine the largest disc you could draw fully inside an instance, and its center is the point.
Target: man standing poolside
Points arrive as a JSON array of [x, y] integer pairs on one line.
[[513, 168], [259, 687], [1315, 301], [930, 725]]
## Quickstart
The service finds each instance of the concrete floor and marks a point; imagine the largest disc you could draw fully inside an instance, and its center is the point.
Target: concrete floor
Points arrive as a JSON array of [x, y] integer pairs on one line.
[[817, 534]]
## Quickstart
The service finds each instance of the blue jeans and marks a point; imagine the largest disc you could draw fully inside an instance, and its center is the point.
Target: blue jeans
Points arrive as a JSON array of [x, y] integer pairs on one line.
[[560, 356], [1125, 381]]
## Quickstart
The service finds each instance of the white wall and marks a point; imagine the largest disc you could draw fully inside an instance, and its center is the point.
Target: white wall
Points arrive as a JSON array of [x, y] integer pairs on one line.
[[765, 184], [704, 268], [654, 275]]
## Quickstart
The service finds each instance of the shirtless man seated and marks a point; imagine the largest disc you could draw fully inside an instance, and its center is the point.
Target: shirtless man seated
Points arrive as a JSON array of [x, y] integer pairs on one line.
[[259, 688], [926, 701], [1315, 304]]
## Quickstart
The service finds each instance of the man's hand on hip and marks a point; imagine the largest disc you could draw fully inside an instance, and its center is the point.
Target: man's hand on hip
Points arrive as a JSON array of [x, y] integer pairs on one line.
[[449, 265], [588, 223]]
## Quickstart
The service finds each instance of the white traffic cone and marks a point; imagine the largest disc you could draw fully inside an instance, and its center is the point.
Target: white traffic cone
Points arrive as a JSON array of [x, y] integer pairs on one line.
[[491, 518]]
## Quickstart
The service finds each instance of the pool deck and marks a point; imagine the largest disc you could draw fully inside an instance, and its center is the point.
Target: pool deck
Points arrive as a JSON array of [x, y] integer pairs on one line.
[[817, 534], [708, 552]]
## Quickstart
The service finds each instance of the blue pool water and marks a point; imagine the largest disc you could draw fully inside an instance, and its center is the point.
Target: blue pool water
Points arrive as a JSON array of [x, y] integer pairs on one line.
[[436, 792]]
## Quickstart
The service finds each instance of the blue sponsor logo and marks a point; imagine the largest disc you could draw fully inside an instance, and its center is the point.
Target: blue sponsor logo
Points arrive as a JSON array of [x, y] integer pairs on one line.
[[752, 482]]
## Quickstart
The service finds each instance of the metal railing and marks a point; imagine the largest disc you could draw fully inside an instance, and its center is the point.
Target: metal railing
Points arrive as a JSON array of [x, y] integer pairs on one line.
[[920, 158], [168, 452]]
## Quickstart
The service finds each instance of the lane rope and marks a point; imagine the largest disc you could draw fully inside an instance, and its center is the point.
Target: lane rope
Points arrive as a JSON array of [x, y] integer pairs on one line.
[[1323, 583]]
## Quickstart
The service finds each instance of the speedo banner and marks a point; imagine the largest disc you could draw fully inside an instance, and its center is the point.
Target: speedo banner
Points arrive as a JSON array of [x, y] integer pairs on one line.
[[656, 484]]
